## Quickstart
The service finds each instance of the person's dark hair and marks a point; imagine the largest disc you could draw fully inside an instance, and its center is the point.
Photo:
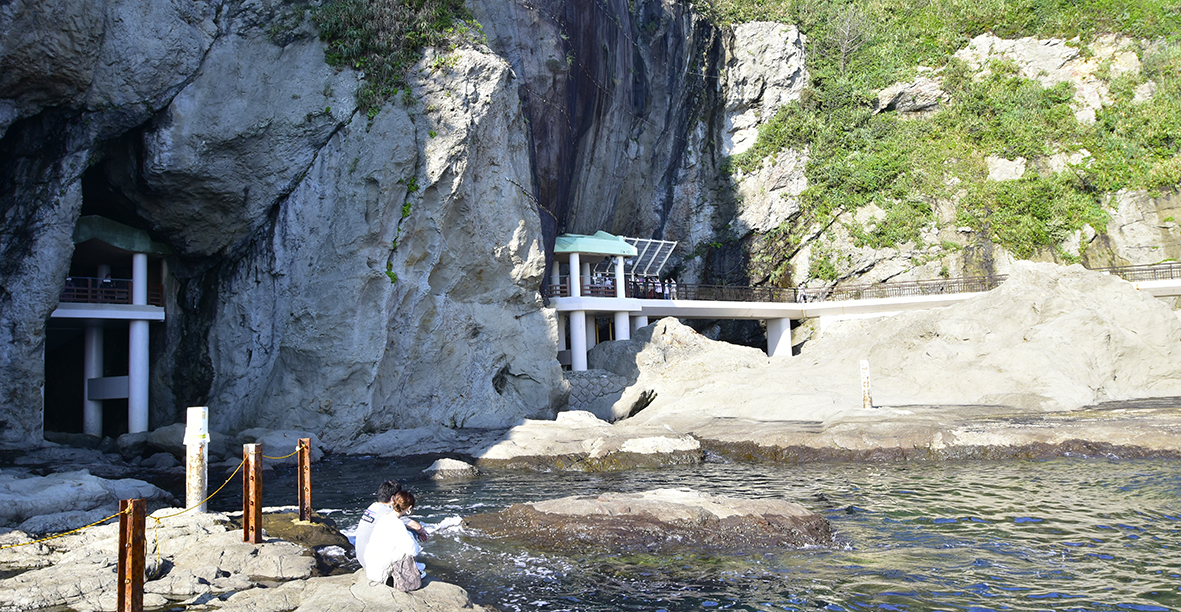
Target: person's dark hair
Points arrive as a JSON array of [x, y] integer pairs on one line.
[[387, 490], [403, 501]]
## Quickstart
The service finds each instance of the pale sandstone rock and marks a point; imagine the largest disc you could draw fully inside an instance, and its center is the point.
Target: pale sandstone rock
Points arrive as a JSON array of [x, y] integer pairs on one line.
[[76, 494], [771, 195], [1001, 169], [764, 71], [450, 469], [923, 94], [278, 443]]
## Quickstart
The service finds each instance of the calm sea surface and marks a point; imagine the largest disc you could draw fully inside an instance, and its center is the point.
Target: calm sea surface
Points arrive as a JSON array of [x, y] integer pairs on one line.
[[1067, 534]]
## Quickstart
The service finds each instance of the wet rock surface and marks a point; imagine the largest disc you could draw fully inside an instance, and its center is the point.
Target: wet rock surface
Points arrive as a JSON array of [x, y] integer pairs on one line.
[[662, 520], [200, 559]]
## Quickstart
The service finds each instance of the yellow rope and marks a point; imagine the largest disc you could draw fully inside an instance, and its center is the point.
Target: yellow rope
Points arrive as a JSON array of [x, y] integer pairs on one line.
[[66, 533], [297, 449], [156, 525]]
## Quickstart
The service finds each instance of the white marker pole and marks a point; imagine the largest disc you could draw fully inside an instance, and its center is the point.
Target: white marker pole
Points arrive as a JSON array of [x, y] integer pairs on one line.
[[866, 399], [197, 457]]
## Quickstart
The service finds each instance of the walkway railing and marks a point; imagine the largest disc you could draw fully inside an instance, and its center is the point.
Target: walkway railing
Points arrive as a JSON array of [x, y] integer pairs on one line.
[[939, 286], [83, 290]]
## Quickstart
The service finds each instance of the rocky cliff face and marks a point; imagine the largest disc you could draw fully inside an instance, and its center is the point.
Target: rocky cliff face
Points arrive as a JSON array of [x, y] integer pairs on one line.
[[332, 271]]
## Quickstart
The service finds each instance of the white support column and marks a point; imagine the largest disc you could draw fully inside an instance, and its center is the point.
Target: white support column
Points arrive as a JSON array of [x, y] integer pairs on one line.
[[561, 331], [139, 279], [103, 271], [622, 326], [555, 275], [137, 377], [619, 286], [578, 340], [639, 321], [92, 367], [592, 330], [575, 281], [778, 337], [586, 274]]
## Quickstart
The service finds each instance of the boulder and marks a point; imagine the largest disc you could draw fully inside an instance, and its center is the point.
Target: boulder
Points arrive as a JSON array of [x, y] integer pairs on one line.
[[67, 498], [351, 593], [918, 96], [171, 439], [451, 469], [579, 441], [661, 521]]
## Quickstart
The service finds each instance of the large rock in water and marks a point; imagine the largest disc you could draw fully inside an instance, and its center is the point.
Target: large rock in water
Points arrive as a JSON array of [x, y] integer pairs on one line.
[[662, 520]]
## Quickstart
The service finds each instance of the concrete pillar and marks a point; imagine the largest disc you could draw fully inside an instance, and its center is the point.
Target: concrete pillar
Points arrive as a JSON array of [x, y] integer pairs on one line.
[[592, 330], [619, 286], [622, 326], [139, 279], [561, 331], [555, 275], [92, 367], [586, 273], [778, 337], [639, 321], [578, 341], [103, 271], [137, 377], [575, 280]]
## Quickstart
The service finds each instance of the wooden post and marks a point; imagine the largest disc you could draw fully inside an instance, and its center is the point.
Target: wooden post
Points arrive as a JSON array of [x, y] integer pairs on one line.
[[131, 555], [252, 493], [305, 479]]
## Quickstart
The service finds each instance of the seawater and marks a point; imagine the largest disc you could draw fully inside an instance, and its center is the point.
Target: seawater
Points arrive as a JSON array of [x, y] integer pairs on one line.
[[1065, 534]]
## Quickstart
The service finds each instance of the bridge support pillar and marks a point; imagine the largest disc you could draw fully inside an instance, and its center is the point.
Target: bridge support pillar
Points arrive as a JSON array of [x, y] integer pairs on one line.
[[592, 330], [639, 321], [622, 326], [778, 337], [578, 341]]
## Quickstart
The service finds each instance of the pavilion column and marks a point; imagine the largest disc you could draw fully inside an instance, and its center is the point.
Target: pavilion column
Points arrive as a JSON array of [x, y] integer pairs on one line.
[[92, 367], [778, 337], [555, 277], [575, 280], [619, 286], [578, 340], [639, 321], [561, 331], [586, 273], [622, 326], [592, 330], [137, 361]]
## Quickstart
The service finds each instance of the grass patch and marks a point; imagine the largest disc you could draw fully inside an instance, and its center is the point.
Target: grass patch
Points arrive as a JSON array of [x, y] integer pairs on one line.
[[384, 38]]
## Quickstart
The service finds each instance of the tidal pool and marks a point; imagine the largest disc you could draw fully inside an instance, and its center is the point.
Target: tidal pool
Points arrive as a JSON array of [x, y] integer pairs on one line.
[[1064, 534]]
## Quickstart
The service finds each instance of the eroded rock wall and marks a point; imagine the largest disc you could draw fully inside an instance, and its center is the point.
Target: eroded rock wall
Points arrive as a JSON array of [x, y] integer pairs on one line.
[[333, 271]]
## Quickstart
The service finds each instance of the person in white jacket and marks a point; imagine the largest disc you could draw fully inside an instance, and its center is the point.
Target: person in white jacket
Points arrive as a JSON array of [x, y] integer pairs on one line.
[[391, 543]]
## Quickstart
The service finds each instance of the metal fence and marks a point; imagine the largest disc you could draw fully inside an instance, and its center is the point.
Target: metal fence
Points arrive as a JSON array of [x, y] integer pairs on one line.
[[940, 286]]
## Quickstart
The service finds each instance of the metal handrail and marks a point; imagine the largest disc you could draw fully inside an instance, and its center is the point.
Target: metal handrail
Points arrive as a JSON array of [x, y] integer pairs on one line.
[[940, 286]]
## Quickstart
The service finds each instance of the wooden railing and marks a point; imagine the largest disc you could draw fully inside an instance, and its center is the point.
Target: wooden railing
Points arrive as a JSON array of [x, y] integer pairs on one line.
[[83, 290]]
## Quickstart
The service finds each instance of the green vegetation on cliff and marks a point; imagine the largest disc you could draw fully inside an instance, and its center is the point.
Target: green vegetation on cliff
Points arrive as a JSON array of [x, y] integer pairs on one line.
[[384, 38], [903, 166]]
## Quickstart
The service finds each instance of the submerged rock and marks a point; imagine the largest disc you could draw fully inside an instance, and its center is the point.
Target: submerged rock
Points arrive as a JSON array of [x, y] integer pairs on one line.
[[661, 520]]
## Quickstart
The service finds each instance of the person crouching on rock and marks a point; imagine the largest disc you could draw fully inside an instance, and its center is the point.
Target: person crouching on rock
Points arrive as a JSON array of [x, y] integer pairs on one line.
[[383, 506], [390, 553]]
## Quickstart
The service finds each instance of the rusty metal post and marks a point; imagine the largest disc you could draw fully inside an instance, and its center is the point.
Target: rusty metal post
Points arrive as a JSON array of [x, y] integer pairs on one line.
[[252, 493], [305, 479], [866, 399], [131, 555], [196, 457]]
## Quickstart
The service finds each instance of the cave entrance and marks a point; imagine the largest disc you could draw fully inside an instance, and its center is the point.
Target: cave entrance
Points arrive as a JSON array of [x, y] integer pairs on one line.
[[98, 338]]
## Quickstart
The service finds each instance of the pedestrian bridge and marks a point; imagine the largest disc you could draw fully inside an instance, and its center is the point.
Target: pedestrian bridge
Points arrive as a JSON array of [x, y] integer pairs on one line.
[[581, 297]]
